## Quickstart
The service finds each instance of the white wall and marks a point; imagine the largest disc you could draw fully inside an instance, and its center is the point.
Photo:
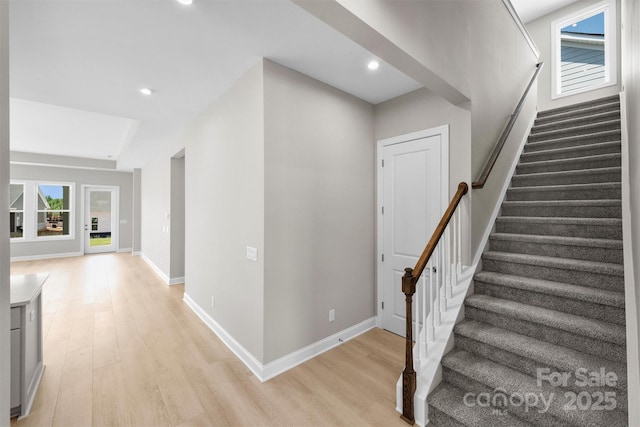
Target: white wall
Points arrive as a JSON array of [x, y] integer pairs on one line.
[[319, 250], [225, 211], [155, 209], [631, 85], [5, 359], [78, 176], [420, 110], [540, 31]]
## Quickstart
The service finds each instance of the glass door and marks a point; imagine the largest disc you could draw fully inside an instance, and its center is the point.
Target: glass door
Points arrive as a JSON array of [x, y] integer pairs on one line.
[[100, 223]]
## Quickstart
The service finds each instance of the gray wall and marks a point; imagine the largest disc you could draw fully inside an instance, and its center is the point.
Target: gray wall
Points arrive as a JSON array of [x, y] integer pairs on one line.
[[155, 207], [319, 211], [177, 217], [492, 65], [136, 244], [4, 216], [225, 211], [420, 110], [540, 31], [631, 84], [78, 176]]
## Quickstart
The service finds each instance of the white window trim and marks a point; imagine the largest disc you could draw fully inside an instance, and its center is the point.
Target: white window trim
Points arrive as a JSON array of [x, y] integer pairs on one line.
[[30, 232], [24, 211], [610, 47]]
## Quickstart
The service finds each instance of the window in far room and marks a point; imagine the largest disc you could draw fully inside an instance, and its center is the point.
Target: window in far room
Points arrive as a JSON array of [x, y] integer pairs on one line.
[[584, 50], [53, 207], [16, 211]]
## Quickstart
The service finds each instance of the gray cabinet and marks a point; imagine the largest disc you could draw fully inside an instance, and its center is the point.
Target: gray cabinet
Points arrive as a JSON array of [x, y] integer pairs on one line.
[[26, 341]]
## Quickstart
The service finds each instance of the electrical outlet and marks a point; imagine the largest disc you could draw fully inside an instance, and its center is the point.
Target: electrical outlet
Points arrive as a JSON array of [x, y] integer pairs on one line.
[[213, 302], [252, 253], [332, 315]]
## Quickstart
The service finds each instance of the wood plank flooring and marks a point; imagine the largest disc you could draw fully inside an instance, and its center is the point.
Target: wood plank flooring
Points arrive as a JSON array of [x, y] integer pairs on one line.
[[122, 349]]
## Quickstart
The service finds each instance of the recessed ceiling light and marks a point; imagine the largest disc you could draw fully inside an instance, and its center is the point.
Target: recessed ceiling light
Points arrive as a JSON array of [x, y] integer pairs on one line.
[[373, 65], [145, 91], [185, 2]]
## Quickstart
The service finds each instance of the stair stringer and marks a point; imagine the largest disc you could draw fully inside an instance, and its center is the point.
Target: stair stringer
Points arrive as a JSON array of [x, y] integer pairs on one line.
[[429, 373]]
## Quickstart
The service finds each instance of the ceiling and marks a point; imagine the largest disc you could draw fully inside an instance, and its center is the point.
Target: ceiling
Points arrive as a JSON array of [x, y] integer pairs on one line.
[[76, 67]]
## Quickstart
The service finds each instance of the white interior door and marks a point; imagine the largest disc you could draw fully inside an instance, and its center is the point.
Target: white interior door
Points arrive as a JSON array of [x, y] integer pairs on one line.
[[412, 208], [100, 219]]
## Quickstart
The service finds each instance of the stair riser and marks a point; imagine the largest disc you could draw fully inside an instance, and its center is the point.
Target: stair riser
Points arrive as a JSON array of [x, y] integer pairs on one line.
[[575, 131], [592, 177], [580, 106], [564, 211], [530, 367], [553, 143], [585, 253], [562, 230], [568, 165], [606, 108], [575, 121], [615, 193], [476, 387], [571, 154], [580, 308], [581, 278], [596, 347], [440, 419]]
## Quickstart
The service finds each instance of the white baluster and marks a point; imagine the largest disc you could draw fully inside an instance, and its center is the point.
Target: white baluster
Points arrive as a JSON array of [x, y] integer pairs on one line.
[[454, 252], [459, 257], [438, 301], [443, 278], [423, 331], [432, 325]]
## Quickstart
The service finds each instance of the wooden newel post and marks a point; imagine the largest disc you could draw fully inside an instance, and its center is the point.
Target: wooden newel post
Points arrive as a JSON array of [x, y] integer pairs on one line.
[[408, 375]]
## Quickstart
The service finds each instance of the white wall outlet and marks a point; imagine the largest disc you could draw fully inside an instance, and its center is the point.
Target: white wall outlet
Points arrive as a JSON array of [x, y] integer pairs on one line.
[[213, 302], [332, 315], [252, 253]]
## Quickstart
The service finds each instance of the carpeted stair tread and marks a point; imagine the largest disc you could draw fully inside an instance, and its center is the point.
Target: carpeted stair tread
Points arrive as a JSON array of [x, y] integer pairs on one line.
[[576, 176], [580, 106], [496, 377], [581, 112], [544, 353], [554, 262], [572, 141], [449, 400], [571, 152], [610, 160], [577, 130], [577, 325], [572, 122], [609, 228], [566, 290], [565, 208], [590, 191], [565, 241]]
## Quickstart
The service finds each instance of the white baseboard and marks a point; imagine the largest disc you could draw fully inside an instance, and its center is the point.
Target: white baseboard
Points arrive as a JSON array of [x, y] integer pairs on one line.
[[275, 368], [124, 250], [176, 281], [155, 268], [46, 256], [136, 253]]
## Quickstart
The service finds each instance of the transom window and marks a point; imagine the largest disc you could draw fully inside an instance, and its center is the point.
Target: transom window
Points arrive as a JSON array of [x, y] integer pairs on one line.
[[584, 50]]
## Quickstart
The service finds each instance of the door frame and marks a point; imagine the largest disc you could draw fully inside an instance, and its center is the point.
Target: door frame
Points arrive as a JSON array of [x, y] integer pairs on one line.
[[443, 131], [115, 214]]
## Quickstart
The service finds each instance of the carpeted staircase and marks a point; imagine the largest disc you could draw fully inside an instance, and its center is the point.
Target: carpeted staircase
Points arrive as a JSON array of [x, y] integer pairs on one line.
[[551, 290]]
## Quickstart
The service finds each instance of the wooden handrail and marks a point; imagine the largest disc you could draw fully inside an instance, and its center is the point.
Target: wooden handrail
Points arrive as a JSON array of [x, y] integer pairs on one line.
[[505, 133], [409, 280]]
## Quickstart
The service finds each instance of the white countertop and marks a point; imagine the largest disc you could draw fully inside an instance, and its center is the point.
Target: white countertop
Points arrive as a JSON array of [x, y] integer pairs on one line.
[[26, 287]]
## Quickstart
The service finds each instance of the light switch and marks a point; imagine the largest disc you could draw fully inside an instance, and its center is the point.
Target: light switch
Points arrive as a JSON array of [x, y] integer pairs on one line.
[[252, 253]]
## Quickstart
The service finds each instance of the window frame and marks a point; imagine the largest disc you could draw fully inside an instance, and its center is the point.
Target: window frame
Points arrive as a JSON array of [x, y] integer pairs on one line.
[[23, 210], [31, 211], [608, 7]]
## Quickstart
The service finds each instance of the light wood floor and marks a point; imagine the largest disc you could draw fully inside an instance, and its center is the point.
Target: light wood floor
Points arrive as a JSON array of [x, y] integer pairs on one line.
[[121, 348]]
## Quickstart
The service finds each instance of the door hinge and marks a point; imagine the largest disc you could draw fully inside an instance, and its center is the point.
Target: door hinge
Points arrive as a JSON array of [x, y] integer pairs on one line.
[[435, 269], [383, 210], [383, 305], [382, 162], [382, 257]]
